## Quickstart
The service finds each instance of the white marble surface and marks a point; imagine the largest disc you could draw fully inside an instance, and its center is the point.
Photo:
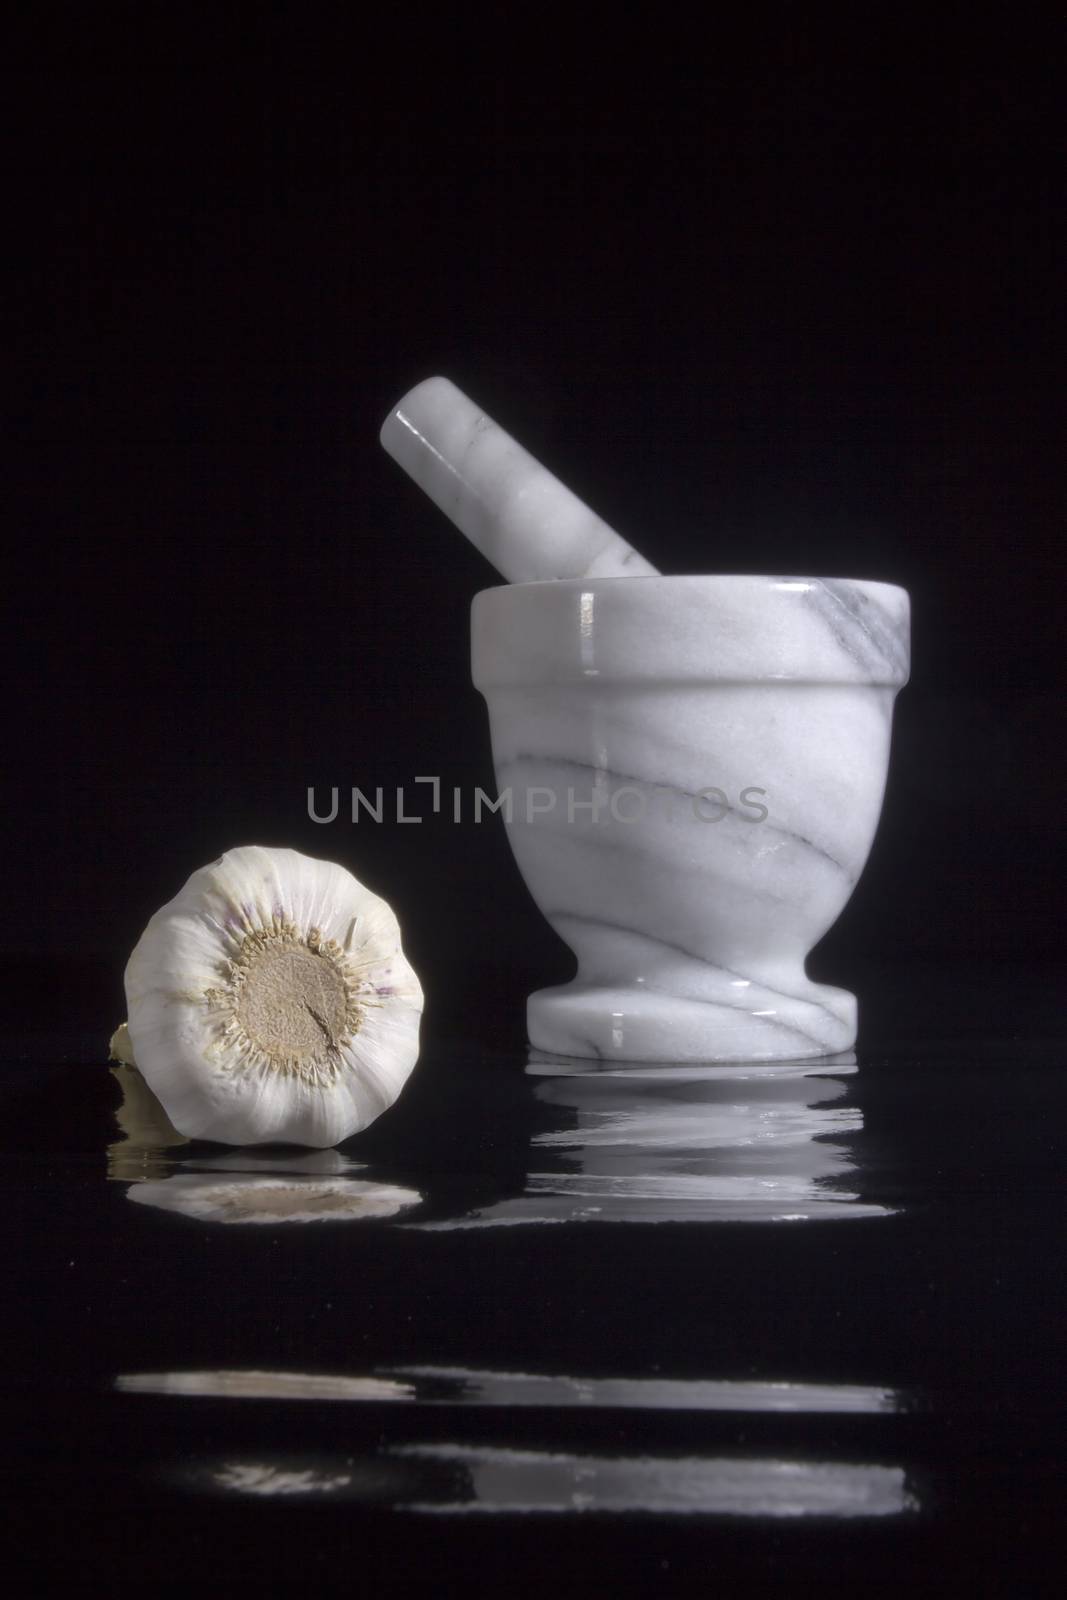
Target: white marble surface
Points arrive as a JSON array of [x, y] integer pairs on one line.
[[527, 523], [616, 707]]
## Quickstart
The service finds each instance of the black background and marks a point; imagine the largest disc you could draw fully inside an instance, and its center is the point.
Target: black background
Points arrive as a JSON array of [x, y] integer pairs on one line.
[[778, 293], [777, 296]]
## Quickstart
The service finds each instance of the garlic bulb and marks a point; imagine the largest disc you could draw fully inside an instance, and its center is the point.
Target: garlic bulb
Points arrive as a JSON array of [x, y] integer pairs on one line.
[[270, 1001]]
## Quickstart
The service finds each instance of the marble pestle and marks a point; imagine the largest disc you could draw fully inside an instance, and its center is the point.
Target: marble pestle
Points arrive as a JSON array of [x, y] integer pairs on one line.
[[528, 524]]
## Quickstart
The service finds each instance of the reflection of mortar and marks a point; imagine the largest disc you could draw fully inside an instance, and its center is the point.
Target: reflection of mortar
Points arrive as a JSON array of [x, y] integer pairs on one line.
[[766, 1142], [616, 706]]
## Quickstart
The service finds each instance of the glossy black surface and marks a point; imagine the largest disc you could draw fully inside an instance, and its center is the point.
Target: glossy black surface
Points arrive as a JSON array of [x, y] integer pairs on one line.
[[785, 1325]]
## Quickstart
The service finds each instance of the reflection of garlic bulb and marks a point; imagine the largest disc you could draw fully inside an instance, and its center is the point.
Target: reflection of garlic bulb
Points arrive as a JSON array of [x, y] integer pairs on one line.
[[147, 1136], [270, 1000], [274, 1200]]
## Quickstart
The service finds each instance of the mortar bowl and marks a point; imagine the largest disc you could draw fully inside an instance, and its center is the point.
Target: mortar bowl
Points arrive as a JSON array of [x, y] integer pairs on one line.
[[691, 771]]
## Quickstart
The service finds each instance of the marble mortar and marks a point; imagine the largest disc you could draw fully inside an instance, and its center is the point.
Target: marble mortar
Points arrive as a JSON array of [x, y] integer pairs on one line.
[[692, 770]]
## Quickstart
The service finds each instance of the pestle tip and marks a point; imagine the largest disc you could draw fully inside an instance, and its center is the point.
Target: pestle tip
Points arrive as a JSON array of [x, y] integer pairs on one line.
[[424, 399]]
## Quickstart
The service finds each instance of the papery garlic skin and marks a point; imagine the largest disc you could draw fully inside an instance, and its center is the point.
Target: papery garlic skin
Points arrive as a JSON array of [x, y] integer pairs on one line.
[[270, 1001]]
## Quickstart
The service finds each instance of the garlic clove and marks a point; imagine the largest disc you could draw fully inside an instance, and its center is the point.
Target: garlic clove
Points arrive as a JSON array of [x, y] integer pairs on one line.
[[270, 1001], [119, 1047]]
